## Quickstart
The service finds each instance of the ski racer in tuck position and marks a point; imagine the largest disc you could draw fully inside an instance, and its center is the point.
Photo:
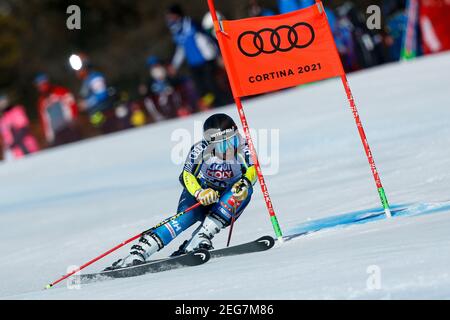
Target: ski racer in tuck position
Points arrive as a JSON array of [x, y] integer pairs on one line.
[[219, 174]]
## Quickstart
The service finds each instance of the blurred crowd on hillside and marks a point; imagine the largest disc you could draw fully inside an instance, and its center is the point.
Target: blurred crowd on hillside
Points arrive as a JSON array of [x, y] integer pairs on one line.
[[167, 93]]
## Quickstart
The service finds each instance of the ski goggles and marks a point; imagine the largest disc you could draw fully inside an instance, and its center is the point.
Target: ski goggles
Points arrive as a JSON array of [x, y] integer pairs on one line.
[[224, 145]]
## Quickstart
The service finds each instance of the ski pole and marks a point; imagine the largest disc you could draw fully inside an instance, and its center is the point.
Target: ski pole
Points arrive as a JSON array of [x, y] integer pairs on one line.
[[231, 231], [233, 219], [118, 247]]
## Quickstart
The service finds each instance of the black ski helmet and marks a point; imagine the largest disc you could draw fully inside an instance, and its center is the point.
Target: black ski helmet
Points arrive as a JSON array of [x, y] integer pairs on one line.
[[219, 127]]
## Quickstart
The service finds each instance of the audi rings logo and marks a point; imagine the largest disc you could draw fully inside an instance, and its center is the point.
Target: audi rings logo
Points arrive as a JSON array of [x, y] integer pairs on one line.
[[252, 43]]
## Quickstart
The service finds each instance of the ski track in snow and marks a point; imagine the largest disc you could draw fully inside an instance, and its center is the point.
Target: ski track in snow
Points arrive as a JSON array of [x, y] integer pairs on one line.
[[67, 205]]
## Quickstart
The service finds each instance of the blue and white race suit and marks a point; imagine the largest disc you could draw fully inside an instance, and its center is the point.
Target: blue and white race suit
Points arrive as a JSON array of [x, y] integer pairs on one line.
[[202, 170]]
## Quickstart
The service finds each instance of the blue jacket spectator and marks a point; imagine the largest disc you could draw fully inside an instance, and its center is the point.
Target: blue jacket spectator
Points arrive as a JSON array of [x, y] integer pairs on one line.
[[94, 92], [96, 98], [193, 44], [306, 3], [285, 6], [200, 50], [396, 27], [332, 19]]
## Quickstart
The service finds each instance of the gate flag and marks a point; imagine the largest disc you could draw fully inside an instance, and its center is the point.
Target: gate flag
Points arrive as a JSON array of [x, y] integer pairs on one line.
[[265, 54]]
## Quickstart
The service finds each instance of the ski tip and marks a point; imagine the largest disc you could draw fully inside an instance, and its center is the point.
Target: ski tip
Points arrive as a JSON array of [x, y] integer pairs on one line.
[[49, 286], [203, 254], [268, 241]]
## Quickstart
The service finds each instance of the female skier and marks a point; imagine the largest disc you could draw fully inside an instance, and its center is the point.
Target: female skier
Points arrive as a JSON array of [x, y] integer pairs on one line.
[[220, 175]]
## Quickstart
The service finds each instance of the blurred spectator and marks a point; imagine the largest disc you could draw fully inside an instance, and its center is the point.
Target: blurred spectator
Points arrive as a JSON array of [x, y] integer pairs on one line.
[[343, 37], [306, 3], [138, 117], [58, 112], [397, 20], [163, 99], [256, 10], [367, 45], [129, 114], [168, 93], [200, 51], [96, 99], [208, 23], [285, 6], [17, 140], [221, 74], [145, 90], [332, 19]]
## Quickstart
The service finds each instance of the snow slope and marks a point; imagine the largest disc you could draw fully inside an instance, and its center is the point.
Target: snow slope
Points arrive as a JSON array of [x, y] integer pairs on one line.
[[65, 206]]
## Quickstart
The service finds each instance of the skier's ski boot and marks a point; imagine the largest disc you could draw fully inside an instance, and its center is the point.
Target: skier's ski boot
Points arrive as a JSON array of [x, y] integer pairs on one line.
[[123, 263], [181, 250], [201, 238], [205, 244], [139, 253]]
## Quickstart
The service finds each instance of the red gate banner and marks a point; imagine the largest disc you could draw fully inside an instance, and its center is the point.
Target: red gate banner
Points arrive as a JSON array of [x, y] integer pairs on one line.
[[270, 53]]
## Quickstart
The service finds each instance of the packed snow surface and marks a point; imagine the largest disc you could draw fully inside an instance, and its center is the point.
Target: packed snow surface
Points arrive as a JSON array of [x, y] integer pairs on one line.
[[65, 206]]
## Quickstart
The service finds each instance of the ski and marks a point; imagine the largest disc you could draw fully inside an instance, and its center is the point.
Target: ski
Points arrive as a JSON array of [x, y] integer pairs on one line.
[[188, 260], [261, 244], [191, 259]]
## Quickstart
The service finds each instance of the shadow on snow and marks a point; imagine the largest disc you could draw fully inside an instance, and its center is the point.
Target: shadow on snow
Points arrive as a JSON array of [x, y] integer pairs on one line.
[[365, 216]]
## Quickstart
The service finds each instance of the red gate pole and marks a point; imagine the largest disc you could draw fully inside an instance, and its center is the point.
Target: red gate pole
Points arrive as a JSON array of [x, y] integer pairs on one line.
[[262, 183], [366, 146], [362, 134], [273, 217]]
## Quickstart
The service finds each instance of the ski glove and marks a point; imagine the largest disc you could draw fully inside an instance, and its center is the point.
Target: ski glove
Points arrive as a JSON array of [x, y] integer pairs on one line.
[[240, 190], [207, 196]]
